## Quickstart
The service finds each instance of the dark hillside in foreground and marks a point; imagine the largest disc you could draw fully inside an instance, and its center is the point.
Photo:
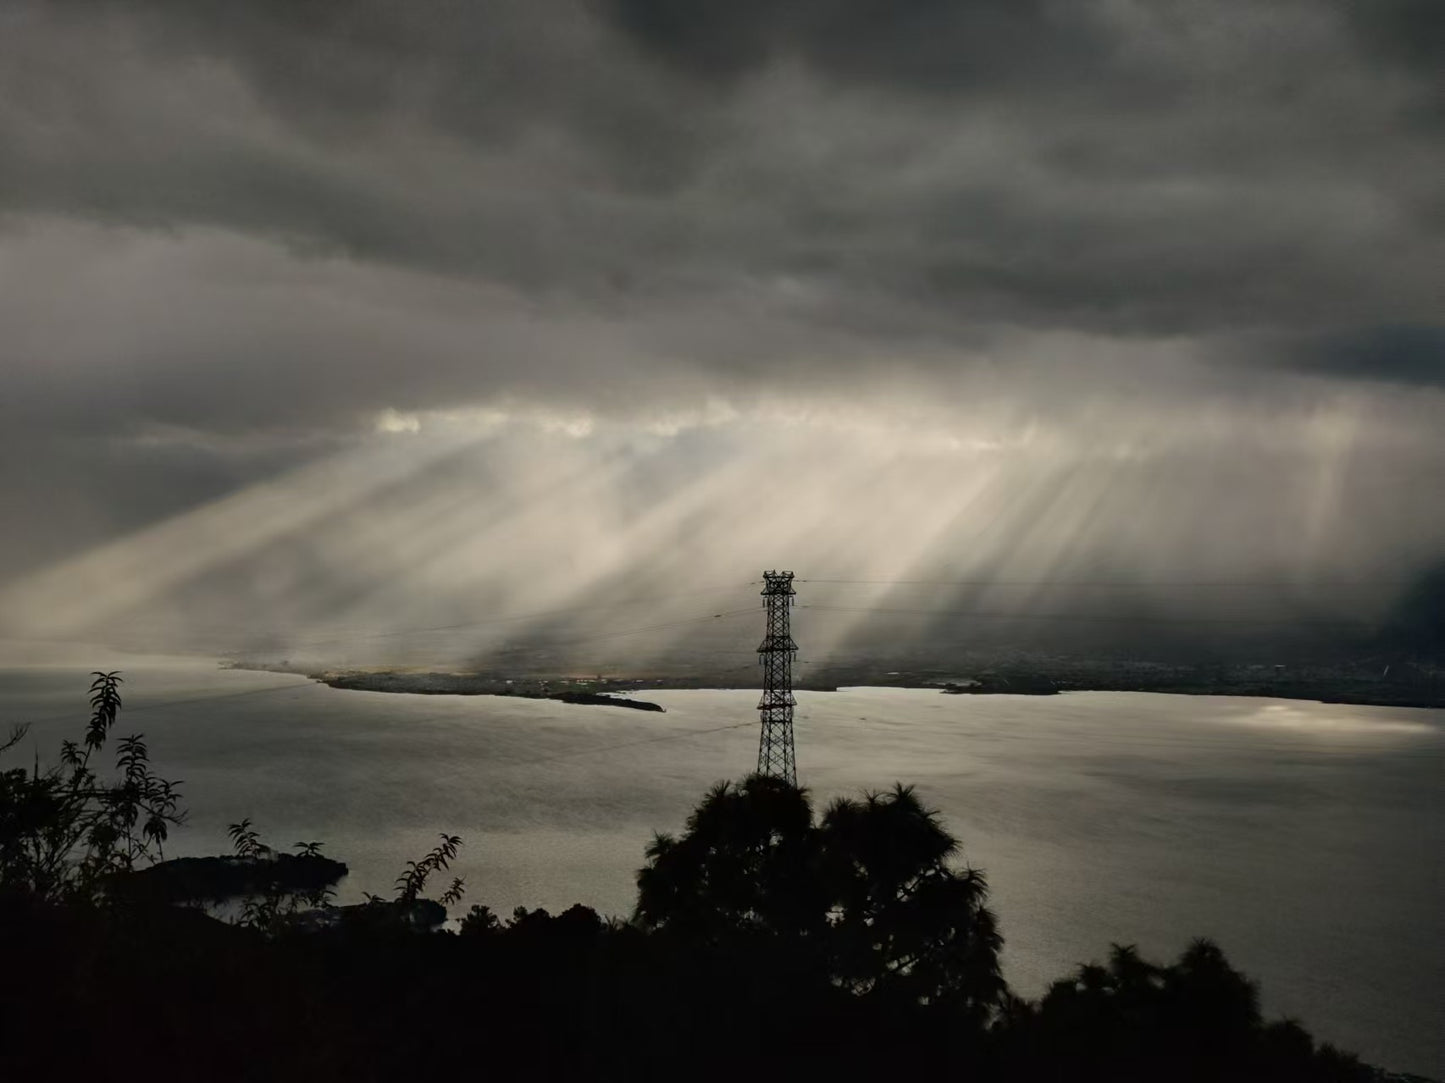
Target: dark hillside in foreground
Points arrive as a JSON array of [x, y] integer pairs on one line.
[[171, 994], [768, 939]]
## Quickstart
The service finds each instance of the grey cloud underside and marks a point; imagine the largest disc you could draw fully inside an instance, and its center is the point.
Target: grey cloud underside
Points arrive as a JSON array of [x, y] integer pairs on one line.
[[936, 46], [1406, 354], [907, 170], [1409, 31]]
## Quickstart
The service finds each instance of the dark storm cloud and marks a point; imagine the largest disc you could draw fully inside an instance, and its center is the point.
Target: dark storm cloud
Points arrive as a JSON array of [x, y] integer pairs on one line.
[[555, 197], [492, 74], [324, 125], [1410, 35], [930, 45], [1412, 31], [1409, 354]]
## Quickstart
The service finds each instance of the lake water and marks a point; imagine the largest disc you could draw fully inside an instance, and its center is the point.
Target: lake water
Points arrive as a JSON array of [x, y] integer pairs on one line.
[[1307, 839]]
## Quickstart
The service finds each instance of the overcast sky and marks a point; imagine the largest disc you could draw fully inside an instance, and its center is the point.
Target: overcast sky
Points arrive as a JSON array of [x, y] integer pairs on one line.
[[1206, 239]]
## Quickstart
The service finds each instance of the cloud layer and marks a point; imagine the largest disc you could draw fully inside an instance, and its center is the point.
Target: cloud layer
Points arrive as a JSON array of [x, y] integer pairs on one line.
[[234, 236]]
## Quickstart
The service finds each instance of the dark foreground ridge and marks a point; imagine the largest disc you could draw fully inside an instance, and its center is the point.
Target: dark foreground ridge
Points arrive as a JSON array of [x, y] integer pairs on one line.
[[768, 941]]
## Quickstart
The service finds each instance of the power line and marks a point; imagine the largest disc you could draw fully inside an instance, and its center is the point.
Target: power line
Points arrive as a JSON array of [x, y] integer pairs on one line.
[[1086, 618], [1239, 584]]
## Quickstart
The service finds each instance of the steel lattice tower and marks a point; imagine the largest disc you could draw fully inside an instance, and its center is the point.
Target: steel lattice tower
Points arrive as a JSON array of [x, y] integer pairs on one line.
[[775, 745]]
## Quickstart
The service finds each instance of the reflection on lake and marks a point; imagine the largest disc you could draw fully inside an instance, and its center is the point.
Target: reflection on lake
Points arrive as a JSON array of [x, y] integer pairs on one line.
[[1306, 838]]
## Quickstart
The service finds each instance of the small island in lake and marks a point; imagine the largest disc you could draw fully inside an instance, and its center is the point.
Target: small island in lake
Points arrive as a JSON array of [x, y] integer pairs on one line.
[[192, 879]]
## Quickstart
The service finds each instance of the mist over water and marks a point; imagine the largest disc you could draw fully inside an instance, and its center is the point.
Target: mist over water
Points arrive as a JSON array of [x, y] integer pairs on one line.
[[1304, 837]]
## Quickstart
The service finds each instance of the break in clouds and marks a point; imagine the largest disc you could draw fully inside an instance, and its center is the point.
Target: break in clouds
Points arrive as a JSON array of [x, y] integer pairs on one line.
[[330, 316]]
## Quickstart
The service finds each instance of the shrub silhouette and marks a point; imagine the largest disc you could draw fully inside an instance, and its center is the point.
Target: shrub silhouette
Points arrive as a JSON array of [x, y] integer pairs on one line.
[[65, 832], [1195, 1019]]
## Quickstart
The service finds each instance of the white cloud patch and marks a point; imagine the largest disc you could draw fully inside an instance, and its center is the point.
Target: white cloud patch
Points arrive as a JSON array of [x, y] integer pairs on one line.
[[394, 422]]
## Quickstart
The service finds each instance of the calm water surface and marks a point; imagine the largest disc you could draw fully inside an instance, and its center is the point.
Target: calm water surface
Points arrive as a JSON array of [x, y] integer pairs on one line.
[[1307, 838]]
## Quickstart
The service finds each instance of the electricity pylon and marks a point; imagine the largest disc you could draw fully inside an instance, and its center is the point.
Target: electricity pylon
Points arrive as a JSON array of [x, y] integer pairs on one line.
[[775, 744]]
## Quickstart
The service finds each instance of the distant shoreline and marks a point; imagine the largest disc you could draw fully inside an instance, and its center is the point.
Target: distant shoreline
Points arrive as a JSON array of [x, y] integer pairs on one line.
[[617, 691]]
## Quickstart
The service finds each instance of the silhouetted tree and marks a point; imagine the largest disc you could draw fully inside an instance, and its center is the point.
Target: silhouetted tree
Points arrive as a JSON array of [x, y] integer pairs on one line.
[[869, 893], [903, 921], [480, 921], [1197, 1019], [746, 863]]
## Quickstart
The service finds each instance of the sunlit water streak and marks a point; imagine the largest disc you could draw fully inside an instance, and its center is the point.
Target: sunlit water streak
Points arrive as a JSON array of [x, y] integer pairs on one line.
[[1305, 837]]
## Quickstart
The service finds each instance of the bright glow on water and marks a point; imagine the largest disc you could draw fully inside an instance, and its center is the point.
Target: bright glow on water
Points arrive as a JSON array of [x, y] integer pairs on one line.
[[1306, 838]]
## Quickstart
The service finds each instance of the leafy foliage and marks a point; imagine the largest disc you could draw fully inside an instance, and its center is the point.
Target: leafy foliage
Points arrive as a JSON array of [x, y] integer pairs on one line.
[[746, 862], [278, 904], [453, 894], [869, 892], [66, 833], [246, 841], [480, 921], [410, 883], [1195, 1019], [903, 919]]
